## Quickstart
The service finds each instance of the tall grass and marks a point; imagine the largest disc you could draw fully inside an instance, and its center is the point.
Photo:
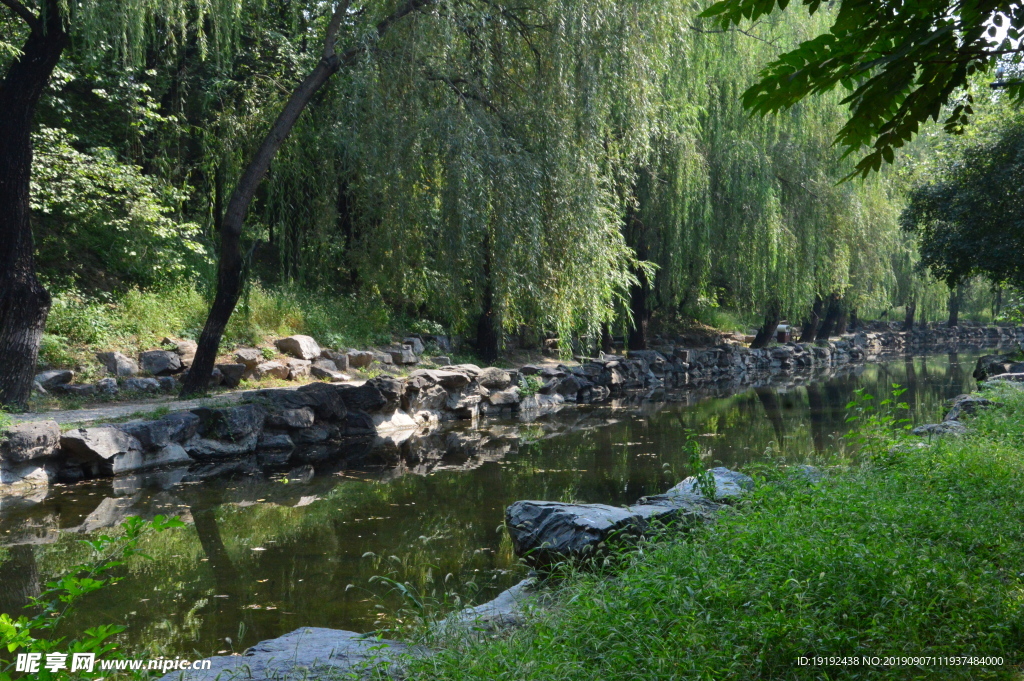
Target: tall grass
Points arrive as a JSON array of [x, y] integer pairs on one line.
[[137, 320], [922, 555]]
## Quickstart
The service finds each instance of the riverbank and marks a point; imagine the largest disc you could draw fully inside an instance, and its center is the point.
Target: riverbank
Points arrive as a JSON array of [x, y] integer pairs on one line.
[[917, 552]]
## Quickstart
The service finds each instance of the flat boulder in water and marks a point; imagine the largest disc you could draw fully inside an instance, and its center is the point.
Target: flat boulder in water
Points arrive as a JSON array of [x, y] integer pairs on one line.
[[307, 653]]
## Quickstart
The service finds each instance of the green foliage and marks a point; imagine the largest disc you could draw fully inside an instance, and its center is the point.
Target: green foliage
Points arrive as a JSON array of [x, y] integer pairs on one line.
[[920, 557], [705, 478], [881, 429], [99, 215], [899, 64], [529, 385], [968, 214], [39, 633]]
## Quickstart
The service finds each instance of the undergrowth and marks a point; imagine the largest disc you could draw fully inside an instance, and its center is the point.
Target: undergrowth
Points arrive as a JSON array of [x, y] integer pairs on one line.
[[917, 551]]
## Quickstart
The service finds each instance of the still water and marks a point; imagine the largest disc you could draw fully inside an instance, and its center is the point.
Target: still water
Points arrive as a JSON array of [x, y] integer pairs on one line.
[[264, 554]]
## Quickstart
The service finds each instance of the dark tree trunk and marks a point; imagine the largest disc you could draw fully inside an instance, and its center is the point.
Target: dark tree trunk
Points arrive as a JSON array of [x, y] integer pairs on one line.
[[770, 401], [997, 304], [810, 327], [24, 303], [908, 319], [854, 322], [229, 269], [766, 333], [828, 324], [606, 339], [487, 340], [841, 321], [955, 296]]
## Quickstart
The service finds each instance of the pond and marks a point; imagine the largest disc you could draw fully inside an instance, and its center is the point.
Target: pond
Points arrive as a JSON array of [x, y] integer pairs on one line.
[[264, 554]]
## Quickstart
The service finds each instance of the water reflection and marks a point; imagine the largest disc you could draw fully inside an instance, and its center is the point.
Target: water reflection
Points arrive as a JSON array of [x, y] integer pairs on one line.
[[263, 554]]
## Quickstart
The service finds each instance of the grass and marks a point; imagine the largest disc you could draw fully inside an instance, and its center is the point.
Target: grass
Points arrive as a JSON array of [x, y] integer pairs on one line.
[[917, 552]]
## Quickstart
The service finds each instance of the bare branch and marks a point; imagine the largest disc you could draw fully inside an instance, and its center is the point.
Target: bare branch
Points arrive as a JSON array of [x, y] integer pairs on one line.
[[332, 28], [24, 12]]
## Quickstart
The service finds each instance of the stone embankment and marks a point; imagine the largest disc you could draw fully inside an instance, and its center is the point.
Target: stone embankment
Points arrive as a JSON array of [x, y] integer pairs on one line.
[[280, 427]]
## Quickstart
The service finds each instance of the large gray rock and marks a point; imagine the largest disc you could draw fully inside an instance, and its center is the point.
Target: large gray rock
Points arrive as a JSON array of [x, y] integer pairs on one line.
[[171, 454], [175, 427], [270, 370], [966, 405], [185, 349], [55, 377], [546, 531], [232, 374], [107, 386], [99, 449], [160, 362], [231, 424], [366, 397], [450, 380], [402, 354], [729, 485], [508, 609], [358, 359], [415, 343], [939, 429], [298, 369], [118, 365], [301, 347], [291, 418], [25, 478], [326, 401], [75, 389], [308, 653], [494, 378], [27, 441], [250, 357], [142, 385]]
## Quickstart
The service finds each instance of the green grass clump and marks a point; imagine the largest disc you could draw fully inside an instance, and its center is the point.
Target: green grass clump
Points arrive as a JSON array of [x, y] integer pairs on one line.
[[920, 556]]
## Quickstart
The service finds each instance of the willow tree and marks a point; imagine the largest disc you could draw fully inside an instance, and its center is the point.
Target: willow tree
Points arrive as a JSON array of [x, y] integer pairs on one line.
[[33, 36]]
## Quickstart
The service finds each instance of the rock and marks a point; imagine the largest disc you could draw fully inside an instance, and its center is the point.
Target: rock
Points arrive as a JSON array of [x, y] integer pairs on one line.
[[441, 360], [107, 386], [118, 365], [450, 380], [22, 478], [402, 354], [358, 424], [326, 364], [204, 449], [56, 377], [312, 436], [494, 378], [391, 389], [170, 454], [509, 609], [231, 424], [167, 384], [38, 389], [298, 369], [546, 531], [302, 417], [308, 653], [181, 425], [340, 359], [79, 390], [160, 362], [729, 485], [32, 440], [415, 343], [504, 397], [326, 400], [358, 359], [567, 387], [231, 374], [807, 473], [324, 373], [966, 405], [270, 370], [97, 448], [185, 349], [301, 347], [250, 357], [277, 442], [363, 398], [470, 370], [938, 429], [142, 385], [216, 378]]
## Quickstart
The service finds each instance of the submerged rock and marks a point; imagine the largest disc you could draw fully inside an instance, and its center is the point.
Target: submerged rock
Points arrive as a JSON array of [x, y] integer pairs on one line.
[[966, 404], [308, 653], [508, 609]]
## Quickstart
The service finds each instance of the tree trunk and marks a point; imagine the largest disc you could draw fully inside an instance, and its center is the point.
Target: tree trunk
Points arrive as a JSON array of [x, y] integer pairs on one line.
[[24, 303], [810, 326], [841, 320], [606, 338], [828, 325], [853, 320], [638, 296], [229, 269], [487, 340], [766, 333], [955, 296], [908, 320]]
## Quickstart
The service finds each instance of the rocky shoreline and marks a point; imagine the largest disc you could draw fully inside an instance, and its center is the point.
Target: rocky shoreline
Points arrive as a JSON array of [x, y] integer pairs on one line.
[[326, 420]]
